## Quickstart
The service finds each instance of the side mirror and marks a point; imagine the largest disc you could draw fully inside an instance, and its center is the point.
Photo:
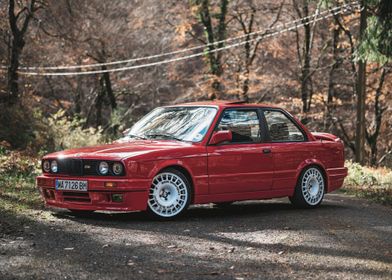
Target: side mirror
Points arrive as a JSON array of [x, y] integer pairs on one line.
[[220, 137]]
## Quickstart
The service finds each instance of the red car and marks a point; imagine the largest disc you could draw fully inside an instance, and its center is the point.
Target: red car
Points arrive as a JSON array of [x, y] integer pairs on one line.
[[208, 152]]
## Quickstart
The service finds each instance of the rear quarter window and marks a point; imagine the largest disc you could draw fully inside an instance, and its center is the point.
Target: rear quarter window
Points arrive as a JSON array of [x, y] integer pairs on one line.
[[281, 128]]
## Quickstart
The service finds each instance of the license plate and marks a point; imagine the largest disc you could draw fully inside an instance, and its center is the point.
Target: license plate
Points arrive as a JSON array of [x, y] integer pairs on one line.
[[71, 185]]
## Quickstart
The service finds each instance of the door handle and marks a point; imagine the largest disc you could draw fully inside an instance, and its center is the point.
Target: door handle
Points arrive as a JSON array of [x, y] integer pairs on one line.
[[266, 151]]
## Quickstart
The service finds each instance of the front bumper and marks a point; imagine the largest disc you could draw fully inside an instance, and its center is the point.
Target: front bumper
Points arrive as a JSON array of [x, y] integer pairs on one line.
[[133, 193]]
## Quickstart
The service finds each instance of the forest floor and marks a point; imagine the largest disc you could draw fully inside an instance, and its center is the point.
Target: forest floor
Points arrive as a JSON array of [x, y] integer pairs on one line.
[[345, 238]]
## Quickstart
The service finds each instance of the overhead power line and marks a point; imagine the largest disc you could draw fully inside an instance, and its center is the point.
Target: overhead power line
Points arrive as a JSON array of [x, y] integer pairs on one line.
[[318, 16], [183, 50]]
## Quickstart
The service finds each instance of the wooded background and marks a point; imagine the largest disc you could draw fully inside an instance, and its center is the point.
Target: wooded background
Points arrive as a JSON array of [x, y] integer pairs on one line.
[[334, 74]]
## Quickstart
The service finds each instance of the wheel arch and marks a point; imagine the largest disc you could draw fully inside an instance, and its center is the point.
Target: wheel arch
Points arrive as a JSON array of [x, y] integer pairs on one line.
[[181, 168], [313, 162]]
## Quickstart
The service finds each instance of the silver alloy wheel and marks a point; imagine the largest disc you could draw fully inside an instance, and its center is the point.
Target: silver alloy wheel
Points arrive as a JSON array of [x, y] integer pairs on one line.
[[168, 195], [312, 186]]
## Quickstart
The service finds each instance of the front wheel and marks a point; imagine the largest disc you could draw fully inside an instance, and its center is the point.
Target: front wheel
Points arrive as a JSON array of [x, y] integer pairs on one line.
[[169, 195], [310, 188]]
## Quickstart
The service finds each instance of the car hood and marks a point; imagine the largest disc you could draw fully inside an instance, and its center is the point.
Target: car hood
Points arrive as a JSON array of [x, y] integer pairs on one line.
[[137, 149]]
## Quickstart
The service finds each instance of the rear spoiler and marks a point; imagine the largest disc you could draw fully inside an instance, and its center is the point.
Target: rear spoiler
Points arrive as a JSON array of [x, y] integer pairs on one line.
[[325, 136]]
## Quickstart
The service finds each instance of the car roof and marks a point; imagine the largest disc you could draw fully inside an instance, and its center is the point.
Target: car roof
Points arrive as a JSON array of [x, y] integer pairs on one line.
[[225, 104]]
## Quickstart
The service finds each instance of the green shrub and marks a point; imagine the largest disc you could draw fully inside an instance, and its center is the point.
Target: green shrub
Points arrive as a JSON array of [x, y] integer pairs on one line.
[[63, 133], [16, 125], [366, 176], [14, 163], [17, 180], [370, 183]]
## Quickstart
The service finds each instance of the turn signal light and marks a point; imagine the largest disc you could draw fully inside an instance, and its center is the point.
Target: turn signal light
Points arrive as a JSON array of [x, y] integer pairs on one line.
[[110, 185]]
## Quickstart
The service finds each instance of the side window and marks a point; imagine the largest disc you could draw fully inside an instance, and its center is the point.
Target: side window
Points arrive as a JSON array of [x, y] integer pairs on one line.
[[281, 128], [243, 124]]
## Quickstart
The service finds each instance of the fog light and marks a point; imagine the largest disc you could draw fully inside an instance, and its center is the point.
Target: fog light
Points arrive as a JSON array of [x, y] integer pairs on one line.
[[110, 185], [117, 197]]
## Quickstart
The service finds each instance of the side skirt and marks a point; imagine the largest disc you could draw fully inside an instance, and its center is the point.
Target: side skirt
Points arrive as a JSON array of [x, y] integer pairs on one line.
[[268, 194]]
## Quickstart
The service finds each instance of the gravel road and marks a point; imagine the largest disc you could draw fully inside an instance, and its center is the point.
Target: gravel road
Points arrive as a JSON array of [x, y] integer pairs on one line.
[[346, 238]]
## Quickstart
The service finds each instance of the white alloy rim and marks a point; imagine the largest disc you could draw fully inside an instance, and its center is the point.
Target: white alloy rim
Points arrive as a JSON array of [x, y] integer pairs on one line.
[[312, 186], [168, 194]]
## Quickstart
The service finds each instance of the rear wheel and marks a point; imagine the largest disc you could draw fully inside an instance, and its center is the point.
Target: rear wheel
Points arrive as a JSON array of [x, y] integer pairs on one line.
[[169, 195], [310, 188]]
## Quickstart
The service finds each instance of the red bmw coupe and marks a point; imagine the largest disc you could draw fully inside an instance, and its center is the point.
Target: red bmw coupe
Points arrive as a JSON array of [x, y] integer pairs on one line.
[[208, 152]]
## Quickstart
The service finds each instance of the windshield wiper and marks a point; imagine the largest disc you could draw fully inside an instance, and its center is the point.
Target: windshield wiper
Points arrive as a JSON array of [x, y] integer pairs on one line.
[[167, 136], [136, 136]]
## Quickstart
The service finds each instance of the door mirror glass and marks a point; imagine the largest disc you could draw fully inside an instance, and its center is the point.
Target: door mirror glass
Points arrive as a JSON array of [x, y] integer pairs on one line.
[[221, 136]]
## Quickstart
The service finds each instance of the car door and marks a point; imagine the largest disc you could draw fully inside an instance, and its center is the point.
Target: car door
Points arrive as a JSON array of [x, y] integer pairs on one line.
[[289, 147], [245, 164]]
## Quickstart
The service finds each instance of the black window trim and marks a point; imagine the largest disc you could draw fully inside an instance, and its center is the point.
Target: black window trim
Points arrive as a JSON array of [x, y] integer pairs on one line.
[[290, 118], [263, 130]]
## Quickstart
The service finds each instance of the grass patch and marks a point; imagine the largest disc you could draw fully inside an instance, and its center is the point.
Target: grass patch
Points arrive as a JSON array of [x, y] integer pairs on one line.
[[17, 182], [371, 183]]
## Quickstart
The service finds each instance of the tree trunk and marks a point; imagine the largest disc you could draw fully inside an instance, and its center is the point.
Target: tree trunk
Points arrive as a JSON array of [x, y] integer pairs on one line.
[[214, 58], [17, 45], [378, 115], [245, 86], [109, 89], [361, 96], [99, 102], [221, 33], [331, 77], [305, 73], [206, 20], [335, 65], [13, 87]]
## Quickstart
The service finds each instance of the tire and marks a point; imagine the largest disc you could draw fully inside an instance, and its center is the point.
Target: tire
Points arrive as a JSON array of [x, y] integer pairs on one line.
[[310, 188], [169, 196]]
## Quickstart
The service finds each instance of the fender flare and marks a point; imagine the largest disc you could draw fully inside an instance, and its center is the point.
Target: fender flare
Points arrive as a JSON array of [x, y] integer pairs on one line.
[[309, 162]]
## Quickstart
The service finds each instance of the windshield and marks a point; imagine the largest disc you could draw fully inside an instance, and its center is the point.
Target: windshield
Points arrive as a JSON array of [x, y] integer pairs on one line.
[[178, 123]]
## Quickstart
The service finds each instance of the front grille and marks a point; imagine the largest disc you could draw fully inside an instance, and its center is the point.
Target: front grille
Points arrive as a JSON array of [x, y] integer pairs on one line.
[[90, 167], [76, 197], [83, 167], [70, 167]]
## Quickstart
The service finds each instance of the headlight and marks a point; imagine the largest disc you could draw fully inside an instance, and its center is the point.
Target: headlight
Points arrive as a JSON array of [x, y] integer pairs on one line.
[[53, 166], [117, 168], [46, 166], [103, 168]]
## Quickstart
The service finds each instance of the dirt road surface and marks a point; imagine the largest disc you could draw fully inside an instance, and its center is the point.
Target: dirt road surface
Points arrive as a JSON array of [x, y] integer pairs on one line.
[[346, 238]]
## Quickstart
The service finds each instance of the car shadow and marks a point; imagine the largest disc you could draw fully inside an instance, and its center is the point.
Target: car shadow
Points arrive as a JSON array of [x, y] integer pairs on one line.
[[207, 213]]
